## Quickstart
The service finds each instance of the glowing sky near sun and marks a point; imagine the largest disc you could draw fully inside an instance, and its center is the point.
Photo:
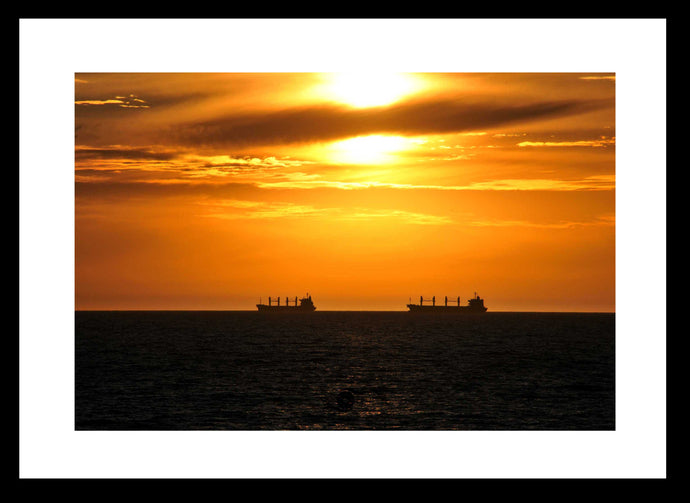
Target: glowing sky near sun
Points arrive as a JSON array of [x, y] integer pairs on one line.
[[207, 191]]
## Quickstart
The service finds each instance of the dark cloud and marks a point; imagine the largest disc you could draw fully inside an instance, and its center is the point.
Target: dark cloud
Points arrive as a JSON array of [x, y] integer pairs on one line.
[[130, 190], [83, 154], [328, 123]]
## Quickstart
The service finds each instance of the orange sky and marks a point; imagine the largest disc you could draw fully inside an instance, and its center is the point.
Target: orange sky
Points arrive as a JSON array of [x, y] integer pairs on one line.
[[208, 191]]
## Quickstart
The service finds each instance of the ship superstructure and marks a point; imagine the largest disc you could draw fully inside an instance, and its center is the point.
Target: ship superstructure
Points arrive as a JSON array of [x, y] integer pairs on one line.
[[305, 305], [474, 305]]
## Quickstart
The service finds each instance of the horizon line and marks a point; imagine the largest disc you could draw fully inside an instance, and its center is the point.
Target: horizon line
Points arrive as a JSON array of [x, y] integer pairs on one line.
[[322, 311]]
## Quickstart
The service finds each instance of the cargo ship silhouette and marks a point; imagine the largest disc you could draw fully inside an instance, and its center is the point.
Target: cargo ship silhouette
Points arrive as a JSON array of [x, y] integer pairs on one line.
[[474, 305], [305, 305]]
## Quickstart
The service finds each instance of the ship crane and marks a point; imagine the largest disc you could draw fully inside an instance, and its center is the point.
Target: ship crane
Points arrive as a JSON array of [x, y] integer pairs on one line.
[[432, 300], [446, 301], [277, 299]]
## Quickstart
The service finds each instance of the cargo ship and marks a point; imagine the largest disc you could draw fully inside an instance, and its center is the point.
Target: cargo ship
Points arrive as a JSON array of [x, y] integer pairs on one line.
[[474, 305], [305, 305]]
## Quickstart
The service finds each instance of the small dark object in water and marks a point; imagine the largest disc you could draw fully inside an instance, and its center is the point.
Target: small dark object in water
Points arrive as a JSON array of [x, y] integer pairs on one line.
[[345, 400]]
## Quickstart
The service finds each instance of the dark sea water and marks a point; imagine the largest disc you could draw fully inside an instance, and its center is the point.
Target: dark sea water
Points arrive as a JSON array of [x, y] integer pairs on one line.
[[237, 370]]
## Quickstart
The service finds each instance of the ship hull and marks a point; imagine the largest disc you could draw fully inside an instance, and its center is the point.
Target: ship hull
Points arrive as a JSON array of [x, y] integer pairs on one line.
[[416, 308], [285, 309]]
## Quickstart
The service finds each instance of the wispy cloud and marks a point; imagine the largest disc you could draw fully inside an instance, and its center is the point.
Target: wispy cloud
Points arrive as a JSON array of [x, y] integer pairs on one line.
[[166, 167], [601, 182], [399, 216], [238, 209], [602, 142], [242, 209], [235, 209], [161, 165], [130, 101], [606, 220]]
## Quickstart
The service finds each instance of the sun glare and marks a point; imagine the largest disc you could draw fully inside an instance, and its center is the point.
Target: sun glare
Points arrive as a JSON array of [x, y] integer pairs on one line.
[[362, 90], [374, 149]]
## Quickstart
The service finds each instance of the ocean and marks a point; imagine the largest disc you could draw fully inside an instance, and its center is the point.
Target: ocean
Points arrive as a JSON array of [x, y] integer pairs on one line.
[[244, 370]]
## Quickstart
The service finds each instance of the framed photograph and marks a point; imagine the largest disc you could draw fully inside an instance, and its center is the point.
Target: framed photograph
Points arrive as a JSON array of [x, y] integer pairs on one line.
[[344, 248]]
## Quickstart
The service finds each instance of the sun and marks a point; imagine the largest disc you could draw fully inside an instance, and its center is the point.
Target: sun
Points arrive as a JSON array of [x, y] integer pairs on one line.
[[373, 149], [361, 90]]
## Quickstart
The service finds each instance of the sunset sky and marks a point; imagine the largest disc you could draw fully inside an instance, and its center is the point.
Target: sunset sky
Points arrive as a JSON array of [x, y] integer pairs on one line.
[[212, 190]]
